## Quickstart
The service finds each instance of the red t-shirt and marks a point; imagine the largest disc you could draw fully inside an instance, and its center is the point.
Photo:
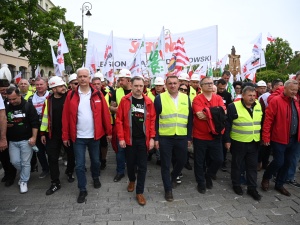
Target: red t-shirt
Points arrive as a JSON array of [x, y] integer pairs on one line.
[[200, 127]]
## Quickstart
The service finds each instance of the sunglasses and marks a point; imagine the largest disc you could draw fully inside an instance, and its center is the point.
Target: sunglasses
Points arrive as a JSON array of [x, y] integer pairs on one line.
[[183, 89], [75, 83]]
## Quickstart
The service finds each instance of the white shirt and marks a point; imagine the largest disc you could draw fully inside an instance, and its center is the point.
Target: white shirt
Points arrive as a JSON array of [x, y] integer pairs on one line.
[[85, 119], [1, 103], [38, 102], [175, 100]]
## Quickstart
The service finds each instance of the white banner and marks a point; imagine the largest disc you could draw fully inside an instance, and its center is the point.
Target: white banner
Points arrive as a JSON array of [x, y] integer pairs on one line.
[[200, 46]]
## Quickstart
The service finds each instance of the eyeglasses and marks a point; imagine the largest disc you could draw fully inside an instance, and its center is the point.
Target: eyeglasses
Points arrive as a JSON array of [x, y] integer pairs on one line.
[[211, 83], [75, 83], [183, 89]]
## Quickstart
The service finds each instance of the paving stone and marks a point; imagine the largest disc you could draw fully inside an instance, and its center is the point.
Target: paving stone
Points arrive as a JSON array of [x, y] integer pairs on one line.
[[189, 208], [281, 218], [238, 221], [120, 223], [133, 217], [239, 213], [283, 211], [182, 216]]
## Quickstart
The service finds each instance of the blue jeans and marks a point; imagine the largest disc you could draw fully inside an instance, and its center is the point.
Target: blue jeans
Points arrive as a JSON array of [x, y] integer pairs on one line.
[[204, 151], [167, 146], [20, 153], [120, 158], [293, 166], [282, 159], [79, 147]]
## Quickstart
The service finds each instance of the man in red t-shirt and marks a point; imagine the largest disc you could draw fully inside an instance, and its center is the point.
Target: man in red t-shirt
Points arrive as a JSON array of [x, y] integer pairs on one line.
[[204, 143]]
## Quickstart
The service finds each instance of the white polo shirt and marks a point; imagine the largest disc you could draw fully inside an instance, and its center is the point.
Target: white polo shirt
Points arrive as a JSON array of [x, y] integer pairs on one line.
[[85, 119], [1, 103]]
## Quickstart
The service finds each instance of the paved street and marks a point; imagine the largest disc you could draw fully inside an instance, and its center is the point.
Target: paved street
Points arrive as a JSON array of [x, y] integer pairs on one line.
[[113, 205]]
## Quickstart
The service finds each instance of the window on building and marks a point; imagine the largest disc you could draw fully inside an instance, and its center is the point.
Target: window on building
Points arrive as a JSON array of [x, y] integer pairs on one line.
[[46, 6], [41, 2]]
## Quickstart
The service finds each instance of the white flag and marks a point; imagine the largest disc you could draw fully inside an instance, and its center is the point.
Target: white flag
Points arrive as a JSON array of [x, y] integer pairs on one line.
[[202, 69], [138, 63], [55, 64], [37, 72], [62, 48], [253, 63], [108, 69], [223, 62]]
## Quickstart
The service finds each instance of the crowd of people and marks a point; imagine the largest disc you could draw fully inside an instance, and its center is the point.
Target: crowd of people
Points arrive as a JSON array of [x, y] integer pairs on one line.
[[40, 118]]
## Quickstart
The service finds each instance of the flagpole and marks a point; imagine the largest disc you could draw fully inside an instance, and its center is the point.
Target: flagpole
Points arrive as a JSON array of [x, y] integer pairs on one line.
[[71, 60], [113, 57]]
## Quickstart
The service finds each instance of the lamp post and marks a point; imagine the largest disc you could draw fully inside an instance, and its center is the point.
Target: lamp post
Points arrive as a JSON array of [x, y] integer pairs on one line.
[[87, 6]]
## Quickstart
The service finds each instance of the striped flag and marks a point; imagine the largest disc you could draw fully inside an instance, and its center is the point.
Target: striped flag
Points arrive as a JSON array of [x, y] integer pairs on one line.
[[179, 59], [18, 77]]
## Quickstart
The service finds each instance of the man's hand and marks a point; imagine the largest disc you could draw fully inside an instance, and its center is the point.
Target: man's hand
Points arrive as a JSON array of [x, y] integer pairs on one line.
[[201, 115], [3, 144], [151, 143], [43, 139], [122, 144], [32, 141], [108, 138], [67, 143], [266, 143], [227, 146], [189, 144], [156, 144]]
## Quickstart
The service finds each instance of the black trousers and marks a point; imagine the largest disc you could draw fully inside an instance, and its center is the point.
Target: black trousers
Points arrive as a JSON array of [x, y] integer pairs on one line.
[[136, 155], [53, 147], [9, 170], [247, 152]]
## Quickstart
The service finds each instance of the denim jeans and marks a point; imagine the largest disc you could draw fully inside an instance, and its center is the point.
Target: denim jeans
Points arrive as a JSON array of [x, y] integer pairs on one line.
[[282, 159], [79, 147], [136, 155], [293, 166], [120, 158], [20, 153], [167, 146], [203, 149]]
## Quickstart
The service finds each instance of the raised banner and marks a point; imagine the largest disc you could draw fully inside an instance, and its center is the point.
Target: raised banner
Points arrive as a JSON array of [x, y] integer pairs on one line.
[[200, 45]]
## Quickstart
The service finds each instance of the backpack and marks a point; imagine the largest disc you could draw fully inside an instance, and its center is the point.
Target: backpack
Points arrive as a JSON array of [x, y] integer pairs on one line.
[[216, 119]]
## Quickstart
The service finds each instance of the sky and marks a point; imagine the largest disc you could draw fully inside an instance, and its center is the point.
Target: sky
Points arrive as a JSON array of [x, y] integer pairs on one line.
[[239, 22]]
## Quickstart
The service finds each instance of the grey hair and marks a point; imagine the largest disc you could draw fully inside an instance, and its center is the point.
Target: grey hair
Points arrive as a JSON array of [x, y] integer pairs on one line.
[[83, 68], [42, 78], [289, 82], [248, 89]]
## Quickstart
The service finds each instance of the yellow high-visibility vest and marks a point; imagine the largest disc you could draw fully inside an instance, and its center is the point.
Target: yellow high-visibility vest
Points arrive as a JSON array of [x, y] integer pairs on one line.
[[151, 96], [119, 95], [107, 101], [28, 94], [173, 120], [245, 128], [44, 124]]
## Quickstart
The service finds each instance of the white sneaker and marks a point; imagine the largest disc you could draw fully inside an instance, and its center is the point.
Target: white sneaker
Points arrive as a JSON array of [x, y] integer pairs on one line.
[[23, 187], [19, 182]]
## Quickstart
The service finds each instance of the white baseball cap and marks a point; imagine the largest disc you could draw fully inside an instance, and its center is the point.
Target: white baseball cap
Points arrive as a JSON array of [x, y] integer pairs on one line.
[[72, 77], [159, 81]]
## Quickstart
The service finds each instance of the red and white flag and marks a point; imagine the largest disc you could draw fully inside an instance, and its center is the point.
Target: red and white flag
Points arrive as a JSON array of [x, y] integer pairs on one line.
[[257, 43], [270, 38], [201, 70], [62, 48], [108, 69], [18, 77], [251, 76], [37, 72], [139, 60], [181, 58]]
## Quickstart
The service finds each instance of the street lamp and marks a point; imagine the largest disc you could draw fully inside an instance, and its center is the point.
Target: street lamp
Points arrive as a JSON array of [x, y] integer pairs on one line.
[[87, 6]]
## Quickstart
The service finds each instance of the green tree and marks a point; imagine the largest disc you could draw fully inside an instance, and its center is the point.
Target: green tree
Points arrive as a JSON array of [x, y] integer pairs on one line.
[[294, 64], [27, 28], [270, 75], [278, 55]]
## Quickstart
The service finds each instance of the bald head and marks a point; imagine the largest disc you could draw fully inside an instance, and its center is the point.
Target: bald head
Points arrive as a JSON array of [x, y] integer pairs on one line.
[[23, 86]]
